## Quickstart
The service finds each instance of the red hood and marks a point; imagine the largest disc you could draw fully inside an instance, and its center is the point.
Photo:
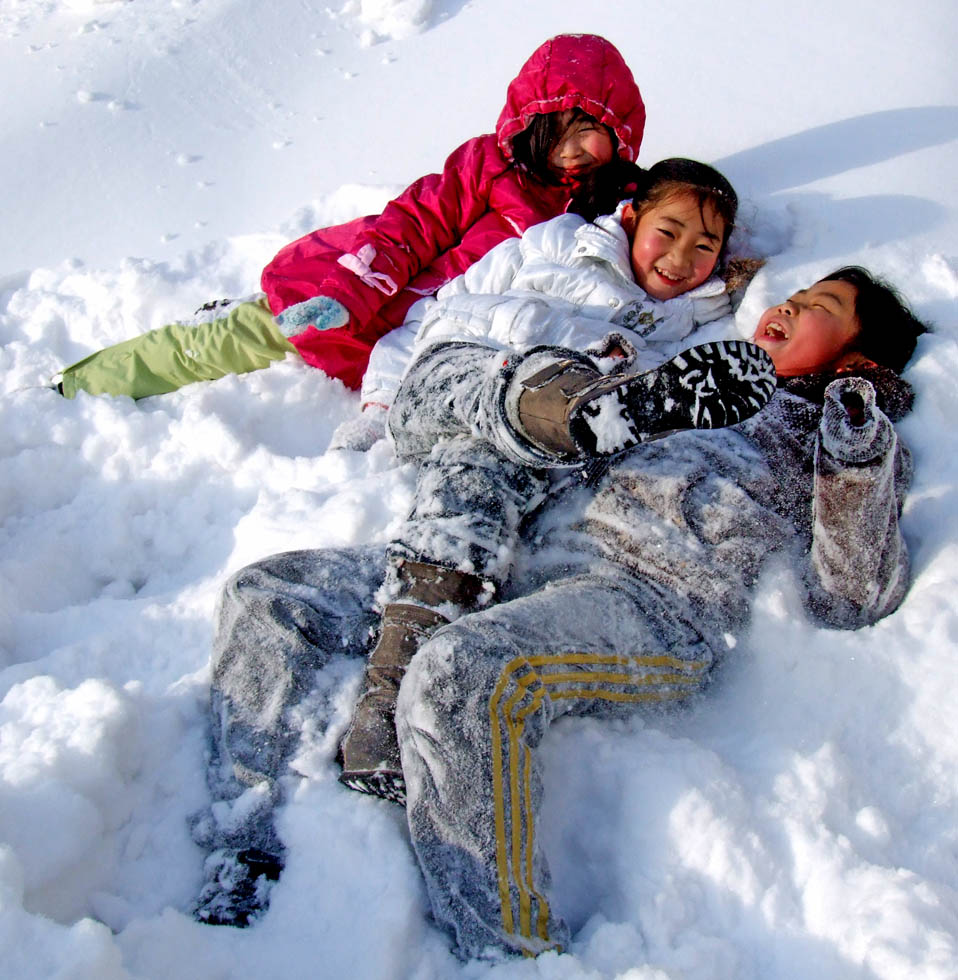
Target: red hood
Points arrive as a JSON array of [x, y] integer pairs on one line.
[[571, 71]]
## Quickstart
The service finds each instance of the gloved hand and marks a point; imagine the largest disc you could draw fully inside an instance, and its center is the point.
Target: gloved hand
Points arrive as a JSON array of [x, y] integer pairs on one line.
[[361, 432], [612, 346], [320, 312], [710, 301], [853, 429]]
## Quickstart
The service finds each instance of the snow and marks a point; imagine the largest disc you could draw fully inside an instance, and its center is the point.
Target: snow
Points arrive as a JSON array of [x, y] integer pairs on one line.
[[799, 820]]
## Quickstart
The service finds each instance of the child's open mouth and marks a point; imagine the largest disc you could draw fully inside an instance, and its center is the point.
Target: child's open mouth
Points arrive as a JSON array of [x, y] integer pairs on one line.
[[671, 279], [775, 331]]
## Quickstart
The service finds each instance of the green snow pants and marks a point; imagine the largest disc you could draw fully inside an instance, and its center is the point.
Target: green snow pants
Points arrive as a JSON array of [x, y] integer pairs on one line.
[[232, 339]]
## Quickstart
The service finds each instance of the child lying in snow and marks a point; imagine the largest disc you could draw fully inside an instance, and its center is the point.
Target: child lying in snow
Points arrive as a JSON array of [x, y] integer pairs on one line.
[[646, 275], [627, 590], [573, 108]]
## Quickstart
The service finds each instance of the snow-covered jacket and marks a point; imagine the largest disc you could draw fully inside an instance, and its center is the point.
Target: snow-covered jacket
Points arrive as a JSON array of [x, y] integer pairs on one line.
[[694, 517], [699, 514], [379, 265], [566, 282]]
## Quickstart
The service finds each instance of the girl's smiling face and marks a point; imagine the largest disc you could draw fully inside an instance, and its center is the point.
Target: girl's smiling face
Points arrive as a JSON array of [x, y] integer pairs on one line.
[[675, 244], [813, 331], [584, 145]]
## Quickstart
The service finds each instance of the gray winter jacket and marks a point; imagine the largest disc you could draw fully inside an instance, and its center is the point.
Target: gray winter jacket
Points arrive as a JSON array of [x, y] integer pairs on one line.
[[697, 513]]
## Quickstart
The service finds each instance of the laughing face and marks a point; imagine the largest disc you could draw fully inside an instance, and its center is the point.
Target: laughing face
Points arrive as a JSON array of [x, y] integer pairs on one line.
[[814, 331], [675, 244], [583, 146]]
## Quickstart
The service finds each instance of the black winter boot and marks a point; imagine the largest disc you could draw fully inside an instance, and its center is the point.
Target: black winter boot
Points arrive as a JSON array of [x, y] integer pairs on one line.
[[369, 751], [237, 887], [572, 411]]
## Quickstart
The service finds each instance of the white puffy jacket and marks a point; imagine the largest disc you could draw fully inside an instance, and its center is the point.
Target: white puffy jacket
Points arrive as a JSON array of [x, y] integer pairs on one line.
[[566, 281]]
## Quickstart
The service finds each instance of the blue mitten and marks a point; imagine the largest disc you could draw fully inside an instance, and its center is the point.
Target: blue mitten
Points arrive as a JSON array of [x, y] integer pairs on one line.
[[320, 312]]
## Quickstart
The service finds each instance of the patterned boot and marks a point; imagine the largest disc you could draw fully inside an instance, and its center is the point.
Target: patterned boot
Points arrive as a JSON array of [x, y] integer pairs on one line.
[[572, 411]]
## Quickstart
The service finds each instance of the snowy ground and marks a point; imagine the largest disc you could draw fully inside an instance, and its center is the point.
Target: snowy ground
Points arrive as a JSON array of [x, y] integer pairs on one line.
[[800, 821]]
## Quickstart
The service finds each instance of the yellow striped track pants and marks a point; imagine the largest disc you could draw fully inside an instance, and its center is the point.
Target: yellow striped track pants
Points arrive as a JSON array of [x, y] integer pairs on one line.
[[477, 700]]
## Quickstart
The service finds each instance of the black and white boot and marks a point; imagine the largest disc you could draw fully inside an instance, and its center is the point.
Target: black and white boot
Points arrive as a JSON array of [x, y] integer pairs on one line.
[[574, 412], [237, 886]]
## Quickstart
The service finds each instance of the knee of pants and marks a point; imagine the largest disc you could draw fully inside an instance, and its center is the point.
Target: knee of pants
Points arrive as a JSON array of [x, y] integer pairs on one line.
[[451, 678], [232, 606], [235, 590], [248, 626]]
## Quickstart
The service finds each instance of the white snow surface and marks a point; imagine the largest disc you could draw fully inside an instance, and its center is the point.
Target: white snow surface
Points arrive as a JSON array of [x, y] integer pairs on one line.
[[799, 820]]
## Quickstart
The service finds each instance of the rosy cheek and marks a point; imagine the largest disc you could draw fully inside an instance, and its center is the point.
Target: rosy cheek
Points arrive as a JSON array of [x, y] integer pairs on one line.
[[706, 266], [600, 148], [641, 259]]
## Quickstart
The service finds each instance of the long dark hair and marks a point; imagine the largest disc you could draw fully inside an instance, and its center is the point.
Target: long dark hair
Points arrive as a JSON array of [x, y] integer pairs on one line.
[[889, 329], [601, 190]]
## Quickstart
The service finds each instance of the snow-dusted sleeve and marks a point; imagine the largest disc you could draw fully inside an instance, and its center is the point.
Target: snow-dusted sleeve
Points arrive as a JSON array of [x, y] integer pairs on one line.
[[858, 567], [481, 307], [464, 309], [390, 357]]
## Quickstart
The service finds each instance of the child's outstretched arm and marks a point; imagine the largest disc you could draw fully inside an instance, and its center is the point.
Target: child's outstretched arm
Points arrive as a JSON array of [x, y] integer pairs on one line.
[[858, 568], [382, 255]]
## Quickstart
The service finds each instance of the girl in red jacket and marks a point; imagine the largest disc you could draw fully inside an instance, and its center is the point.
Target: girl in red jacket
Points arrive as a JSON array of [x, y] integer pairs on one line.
[[573, 109]]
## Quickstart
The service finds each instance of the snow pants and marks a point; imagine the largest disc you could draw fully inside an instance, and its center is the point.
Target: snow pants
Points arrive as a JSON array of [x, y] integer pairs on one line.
[[473, 708], [468, 509], [228, 339], [473, 492], [279, 621]]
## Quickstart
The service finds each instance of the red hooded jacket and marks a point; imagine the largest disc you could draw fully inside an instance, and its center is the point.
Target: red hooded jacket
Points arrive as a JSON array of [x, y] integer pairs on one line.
[[378, 266]]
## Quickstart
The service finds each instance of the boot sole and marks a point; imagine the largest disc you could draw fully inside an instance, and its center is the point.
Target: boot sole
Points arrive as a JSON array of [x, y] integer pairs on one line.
[[705, 387], [385, 785]]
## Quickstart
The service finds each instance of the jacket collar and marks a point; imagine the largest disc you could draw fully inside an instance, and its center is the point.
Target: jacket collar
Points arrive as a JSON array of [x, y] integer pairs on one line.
[[605, 239]]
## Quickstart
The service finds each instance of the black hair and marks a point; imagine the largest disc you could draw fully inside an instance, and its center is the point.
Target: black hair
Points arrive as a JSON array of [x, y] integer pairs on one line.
[[678, 174], [889, 329], [531, 148], [601, 190]]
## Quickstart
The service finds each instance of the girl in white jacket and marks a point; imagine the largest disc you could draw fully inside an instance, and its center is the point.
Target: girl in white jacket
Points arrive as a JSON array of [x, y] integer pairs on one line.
[[620, 294], [569, 281]]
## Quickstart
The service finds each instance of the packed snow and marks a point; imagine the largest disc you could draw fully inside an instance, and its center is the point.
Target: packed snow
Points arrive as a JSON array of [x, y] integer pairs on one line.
[[799, 820]]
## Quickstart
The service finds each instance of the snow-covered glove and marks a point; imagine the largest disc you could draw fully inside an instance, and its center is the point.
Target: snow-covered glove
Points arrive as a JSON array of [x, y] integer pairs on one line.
[[853, 428], [612, 353], [710, 301], [360, 433], [320, 312]]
